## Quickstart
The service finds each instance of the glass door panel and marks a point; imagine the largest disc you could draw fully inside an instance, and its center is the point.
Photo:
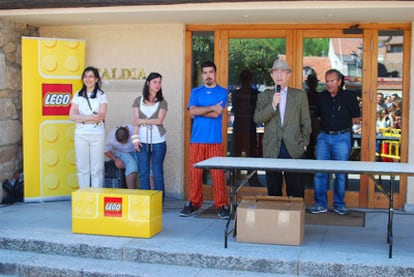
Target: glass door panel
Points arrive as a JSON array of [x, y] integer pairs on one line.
[[202, 50], [389, 97], [345, 55], [248, 62]]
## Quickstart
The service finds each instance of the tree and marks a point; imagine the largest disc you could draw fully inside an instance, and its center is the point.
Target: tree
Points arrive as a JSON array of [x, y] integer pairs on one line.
[[256, 55], [244, 53], [315, 47], [203, 50]]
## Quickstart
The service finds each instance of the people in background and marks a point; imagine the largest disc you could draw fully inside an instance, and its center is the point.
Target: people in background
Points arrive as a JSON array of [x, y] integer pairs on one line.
[[395, 112], [149, 136], [394, 97], [312, 93], [284, 111], [311, 83], [244, 128], [380, 102], [384, 120], [338, 110], [121, 150], [388, 101], [357, 128], [88, 110], [206, 106]]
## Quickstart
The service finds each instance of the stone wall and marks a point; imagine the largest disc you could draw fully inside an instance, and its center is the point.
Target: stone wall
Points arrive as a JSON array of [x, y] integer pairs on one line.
[[11, 96]]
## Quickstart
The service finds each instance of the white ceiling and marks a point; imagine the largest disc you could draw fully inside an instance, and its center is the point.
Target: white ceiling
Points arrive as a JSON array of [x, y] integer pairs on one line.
[[223, 13]]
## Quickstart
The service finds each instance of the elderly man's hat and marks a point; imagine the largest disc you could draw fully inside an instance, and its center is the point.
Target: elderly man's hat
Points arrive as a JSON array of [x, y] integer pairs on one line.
[[280, 64]]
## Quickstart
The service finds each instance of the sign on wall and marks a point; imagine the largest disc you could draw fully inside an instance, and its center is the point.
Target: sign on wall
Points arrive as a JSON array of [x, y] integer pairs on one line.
[[51, 73]]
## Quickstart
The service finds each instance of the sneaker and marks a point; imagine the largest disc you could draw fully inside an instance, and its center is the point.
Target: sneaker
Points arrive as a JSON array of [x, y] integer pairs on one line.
[[341, 210], [223, 212], [189, 210], [316, 209]]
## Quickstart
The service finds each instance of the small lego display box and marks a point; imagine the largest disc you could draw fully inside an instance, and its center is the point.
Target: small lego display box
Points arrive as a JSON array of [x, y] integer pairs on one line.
[[117, 212]]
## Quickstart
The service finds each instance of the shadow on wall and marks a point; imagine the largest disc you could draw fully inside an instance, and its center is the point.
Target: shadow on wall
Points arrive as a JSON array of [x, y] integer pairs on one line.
[[121, 95]]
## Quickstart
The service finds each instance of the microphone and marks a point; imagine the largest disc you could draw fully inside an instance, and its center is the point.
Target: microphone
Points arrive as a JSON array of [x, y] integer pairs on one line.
[[277, 91]]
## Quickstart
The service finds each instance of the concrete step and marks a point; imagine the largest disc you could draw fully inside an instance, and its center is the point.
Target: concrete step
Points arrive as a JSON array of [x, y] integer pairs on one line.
[[104, 250], [21, 263], [38, 258], [197, 244]]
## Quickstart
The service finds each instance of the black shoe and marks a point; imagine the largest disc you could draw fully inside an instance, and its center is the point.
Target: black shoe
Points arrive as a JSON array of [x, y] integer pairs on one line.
[[189, 210], [223, 212]]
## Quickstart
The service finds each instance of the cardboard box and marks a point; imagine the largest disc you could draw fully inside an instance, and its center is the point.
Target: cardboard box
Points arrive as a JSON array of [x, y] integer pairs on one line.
[[271, 219], [117, 212]]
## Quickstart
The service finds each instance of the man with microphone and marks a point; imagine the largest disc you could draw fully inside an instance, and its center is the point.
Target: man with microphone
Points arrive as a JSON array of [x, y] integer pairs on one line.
[[284, 111]]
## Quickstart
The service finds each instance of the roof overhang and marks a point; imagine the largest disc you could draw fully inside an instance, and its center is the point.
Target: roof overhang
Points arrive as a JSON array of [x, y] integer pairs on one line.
[[251, 12]]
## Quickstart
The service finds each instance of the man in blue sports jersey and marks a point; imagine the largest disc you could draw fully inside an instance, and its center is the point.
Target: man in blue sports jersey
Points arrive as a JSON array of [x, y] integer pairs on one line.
[[206, 106]]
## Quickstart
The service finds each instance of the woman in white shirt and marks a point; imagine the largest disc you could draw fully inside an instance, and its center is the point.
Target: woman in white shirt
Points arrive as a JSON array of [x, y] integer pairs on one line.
[[384, 120], [149, 137], [88, 110]]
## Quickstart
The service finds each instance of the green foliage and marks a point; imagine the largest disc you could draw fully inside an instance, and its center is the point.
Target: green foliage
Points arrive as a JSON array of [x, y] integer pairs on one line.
[[256, 55], [316, 47], [203, 50]]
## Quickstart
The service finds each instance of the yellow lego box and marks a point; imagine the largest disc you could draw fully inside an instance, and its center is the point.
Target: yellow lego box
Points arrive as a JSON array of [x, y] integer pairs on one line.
[[117, 212]]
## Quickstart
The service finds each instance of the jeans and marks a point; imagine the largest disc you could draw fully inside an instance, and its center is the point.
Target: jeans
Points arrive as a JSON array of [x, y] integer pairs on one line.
[[331, 147], [152, 157]]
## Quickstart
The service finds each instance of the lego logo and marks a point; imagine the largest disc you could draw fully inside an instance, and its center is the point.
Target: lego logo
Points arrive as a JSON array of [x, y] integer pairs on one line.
[[113, 207], [57, 99]]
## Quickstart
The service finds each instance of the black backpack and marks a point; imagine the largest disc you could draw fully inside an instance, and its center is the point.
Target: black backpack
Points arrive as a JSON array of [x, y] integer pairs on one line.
[[14, 188], [114, 177]]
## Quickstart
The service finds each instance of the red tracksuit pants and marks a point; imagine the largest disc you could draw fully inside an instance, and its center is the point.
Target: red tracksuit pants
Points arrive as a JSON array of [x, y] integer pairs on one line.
[[198, 153]]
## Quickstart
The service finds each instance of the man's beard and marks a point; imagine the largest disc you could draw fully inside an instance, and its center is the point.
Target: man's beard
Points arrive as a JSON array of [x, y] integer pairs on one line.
[[209, 82]]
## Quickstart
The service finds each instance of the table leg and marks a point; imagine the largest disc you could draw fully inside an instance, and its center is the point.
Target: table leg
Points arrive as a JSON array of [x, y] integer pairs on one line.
[[390, 216], [234, 188], [233, 205], [390, 196]]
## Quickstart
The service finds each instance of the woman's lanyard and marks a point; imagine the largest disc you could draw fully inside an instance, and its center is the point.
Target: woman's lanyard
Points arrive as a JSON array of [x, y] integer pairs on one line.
[[90, 107], [89, 104]]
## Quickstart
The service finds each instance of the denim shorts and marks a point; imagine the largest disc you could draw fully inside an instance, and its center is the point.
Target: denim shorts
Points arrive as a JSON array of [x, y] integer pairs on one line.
[[130, 160]]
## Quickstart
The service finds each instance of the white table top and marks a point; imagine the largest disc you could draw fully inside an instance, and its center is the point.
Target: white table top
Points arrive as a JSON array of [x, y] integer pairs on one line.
[[310, 166]]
